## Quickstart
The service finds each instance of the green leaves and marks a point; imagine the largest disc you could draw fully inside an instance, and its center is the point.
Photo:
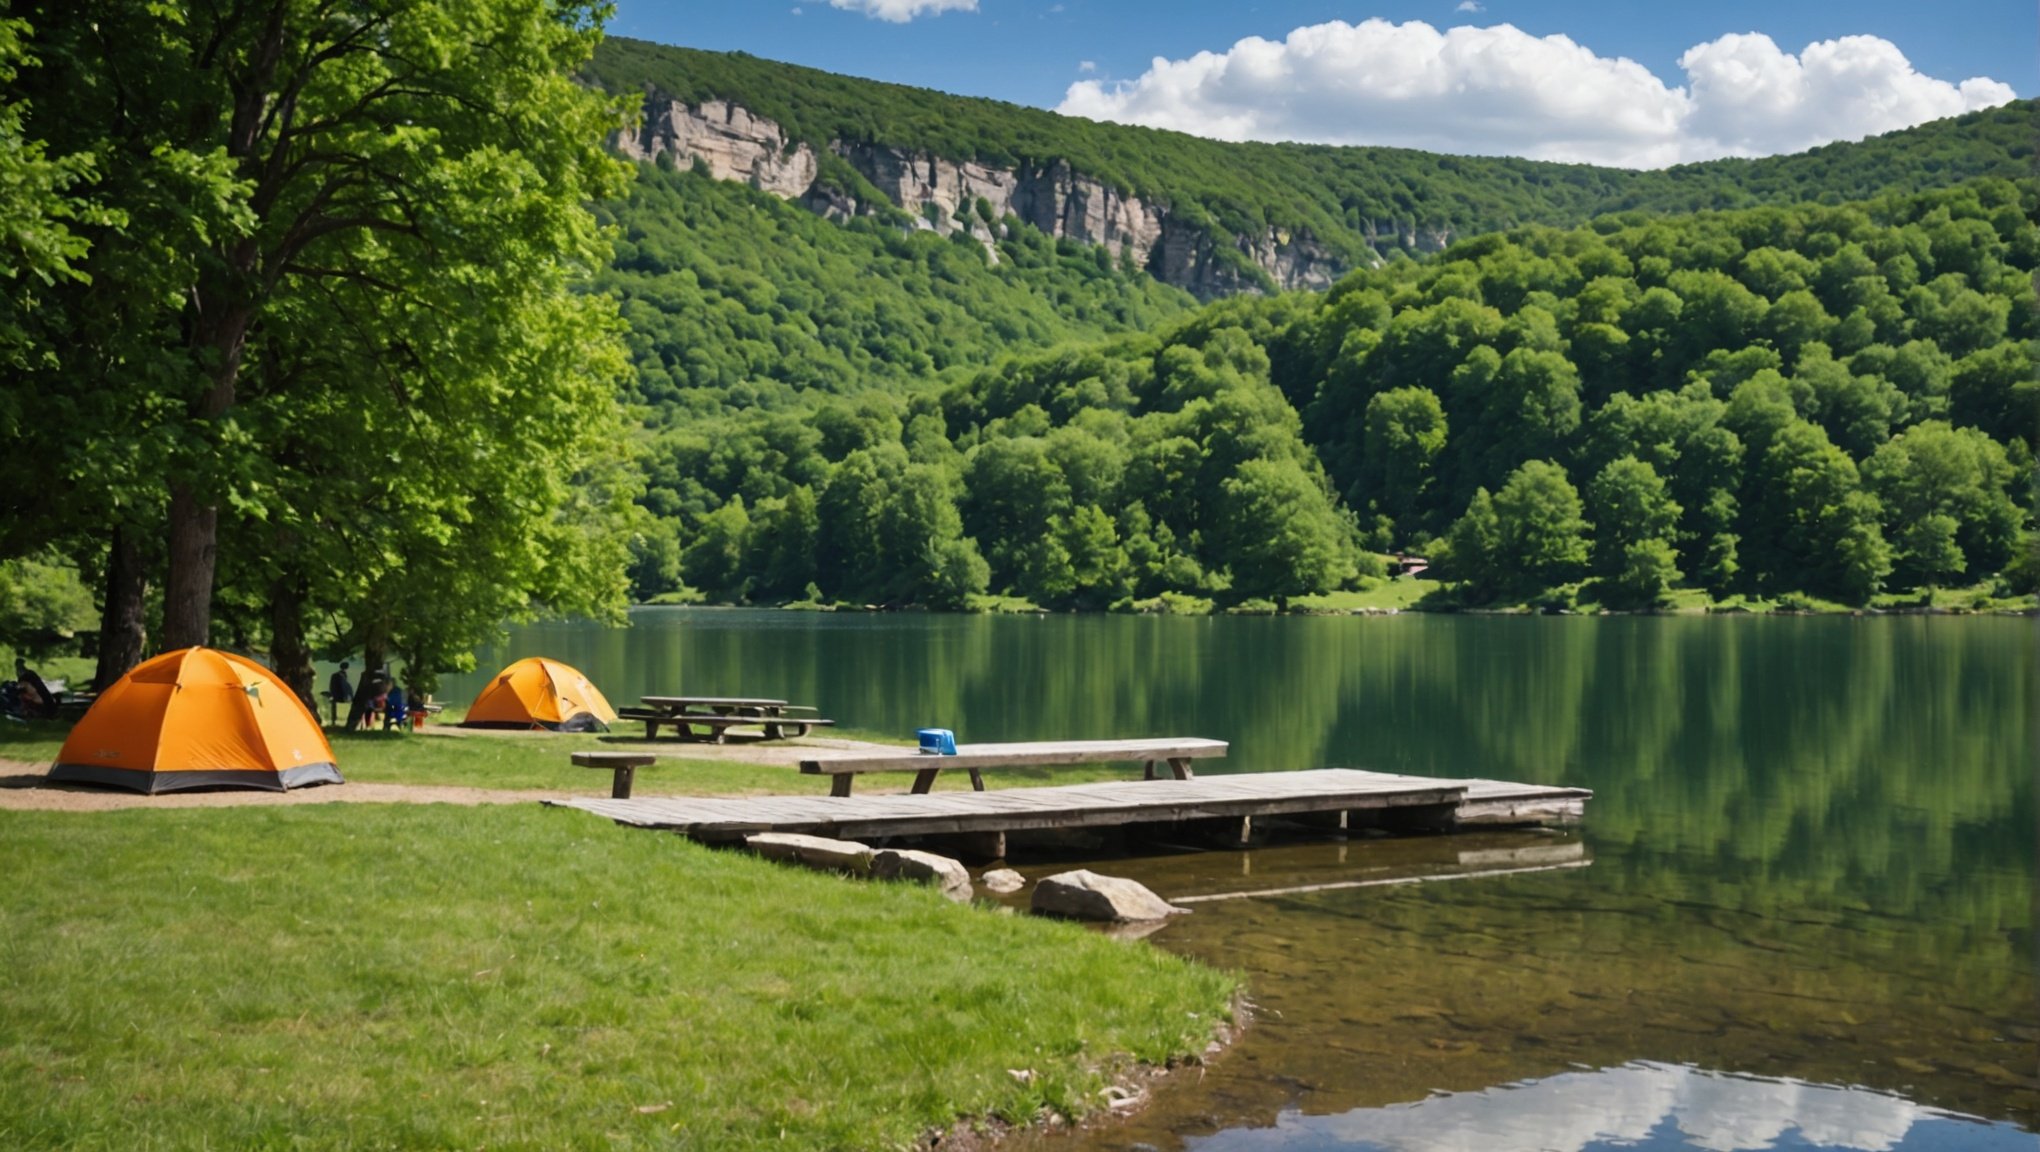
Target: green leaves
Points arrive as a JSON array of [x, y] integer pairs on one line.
[[338, 297]]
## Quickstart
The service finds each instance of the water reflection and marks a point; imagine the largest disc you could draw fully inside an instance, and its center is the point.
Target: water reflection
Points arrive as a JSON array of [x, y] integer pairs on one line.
[[1636, 1105], [1811, 843]]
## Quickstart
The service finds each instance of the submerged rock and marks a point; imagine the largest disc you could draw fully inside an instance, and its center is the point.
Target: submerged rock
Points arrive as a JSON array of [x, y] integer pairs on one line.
[[1003, 880], [905, 864], [1085, 895], [813, 851]]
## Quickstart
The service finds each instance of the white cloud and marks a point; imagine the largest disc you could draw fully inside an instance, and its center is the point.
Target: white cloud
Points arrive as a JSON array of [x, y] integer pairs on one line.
[[901, 11], [1087, 65], [1502, 91], [1469, 6]]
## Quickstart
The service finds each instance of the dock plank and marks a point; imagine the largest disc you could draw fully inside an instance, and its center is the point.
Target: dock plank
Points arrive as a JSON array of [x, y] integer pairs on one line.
[[1091, 805], [1019, 755]]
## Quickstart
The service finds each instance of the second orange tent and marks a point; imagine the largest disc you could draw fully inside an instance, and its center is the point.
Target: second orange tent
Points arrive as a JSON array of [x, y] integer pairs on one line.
[[539, 693]]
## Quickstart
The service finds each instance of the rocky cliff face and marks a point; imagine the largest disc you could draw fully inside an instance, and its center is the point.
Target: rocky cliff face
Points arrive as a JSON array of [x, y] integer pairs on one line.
[[734, 144], [944, 195]]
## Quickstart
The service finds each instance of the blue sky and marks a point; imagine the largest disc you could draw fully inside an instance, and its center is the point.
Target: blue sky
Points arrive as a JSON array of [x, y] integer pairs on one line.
[[1021, 50], [1032, 51]]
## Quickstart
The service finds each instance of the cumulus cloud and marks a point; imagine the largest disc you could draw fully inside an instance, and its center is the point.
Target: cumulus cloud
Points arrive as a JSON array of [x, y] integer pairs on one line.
[[1502, 91], [901, 11], [1468, 6]]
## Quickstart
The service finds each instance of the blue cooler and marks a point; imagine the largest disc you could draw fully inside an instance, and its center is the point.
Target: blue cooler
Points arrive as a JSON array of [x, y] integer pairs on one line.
[[937, 741]]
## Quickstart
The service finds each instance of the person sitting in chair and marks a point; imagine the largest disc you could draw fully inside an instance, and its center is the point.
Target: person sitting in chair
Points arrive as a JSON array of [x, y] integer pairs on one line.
[[339, 690], [395, 714], [36, 697]]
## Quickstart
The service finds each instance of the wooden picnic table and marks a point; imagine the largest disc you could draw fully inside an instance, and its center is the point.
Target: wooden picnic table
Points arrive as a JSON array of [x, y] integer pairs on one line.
[[1176, 752], [721, 705], [717, 714]]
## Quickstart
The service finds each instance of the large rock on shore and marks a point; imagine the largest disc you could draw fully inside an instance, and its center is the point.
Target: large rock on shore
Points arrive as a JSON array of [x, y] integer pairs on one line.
[[948, 875], [818, 852], [1085, 895], [1003, 880]]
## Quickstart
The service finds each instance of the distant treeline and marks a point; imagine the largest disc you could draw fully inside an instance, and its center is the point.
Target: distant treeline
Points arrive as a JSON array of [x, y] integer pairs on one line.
[[1834, 400]]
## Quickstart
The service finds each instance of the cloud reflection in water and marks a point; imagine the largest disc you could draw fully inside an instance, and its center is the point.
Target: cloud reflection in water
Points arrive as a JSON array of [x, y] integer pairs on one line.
[[1641, 1104]]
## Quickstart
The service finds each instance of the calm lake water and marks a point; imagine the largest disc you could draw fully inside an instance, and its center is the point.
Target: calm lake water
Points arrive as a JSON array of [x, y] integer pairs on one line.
[[1800, 913]]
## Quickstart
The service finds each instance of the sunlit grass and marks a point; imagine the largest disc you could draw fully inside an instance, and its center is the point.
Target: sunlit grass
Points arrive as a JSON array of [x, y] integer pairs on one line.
[[541, 761], [1398, 593], [437, 977]]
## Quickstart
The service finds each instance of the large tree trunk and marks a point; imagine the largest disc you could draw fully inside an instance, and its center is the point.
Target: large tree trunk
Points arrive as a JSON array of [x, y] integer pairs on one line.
[[193, 528], [193, 538], [123, 627], [289, 657], [222, 309]]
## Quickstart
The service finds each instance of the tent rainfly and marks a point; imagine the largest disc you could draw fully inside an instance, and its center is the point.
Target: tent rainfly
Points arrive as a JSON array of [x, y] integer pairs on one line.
[[197, 718], [539, 693]]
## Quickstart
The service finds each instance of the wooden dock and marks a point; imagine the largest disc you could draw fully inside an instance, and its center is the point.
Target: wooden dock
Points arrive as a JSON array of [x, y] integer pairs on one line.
[[1334, 796]]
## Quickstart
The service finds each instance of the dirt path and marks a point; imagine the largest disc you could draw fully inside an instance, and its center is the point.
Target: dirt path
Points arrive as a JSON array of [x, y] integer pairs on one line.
[[23, 788]]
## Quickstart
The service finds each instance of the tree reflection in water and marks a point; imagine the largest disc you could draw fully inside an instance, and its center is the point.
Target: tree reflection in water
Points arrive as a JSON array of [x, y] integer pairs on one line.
[[1812, 840]]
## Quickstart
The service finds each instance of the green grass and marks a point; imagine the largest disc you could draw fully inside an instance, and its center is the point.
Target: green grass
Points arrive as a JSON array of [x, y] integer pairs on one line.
[[1983, 597], [1399, 593], [1004, 603], [540, 761], [430, 977], [74, 670]]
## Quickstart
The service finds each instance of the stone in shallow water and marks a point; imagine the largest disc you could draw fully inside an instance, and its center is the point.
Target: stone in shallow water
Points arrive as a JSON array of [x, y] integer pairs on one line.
[[906, 864], [1003, 880], [813, 851], [1085, 895]]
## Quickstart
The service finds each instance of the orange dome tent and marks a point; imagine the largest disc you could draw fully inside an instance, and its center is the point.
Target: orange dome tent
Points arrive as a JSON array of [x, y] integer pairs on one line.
[[540, 693], [197, 718]]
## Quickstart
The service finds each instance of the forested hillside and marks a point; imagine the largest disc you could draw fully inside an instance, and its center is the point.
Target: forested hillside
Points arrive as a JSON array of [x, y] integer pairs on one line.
[[1755, 399], [739, 299], [1826, 399], [1355, 201]]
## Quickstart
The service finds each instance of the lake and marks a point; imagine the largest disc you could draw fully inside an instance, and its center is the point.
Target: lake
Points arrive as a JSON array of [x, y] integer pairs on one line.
[[1799, 914]]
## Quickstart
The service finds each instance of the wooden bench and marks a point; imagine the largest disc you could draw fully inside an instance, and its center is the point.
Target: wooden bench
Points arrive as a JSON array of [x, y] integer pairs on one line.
[[624, 764], [975, 758]]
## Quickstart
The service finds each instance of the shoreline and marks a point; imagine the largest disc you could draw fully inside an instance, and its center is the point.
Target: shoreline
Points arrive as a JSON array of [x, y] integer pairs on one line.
[[1723, 610], [1129, 1090]]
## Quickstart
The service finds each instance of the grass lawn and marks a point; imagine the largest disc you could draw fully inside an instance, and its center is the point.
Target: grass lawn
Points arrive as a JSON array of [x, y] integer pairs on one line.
[[395, 976], [539, 761], [1399, 593]]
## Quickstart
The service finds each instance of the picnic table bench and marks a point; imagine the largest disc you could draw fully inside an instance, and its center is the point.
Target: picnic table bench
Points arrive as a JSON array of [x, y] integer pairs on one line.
[[1176, 752], [715, 715]]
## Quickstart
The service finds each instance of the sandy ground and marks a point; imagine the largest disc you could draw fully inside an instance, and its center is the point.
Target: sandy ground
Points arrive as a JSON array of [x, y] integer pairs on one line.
[[24, 788]]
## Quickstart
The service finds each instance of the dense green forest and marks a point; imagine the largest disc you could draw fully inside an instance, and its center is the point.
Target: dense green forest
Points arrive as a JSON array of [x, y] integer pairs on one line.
[[1354, 199], [738, 299], [1833, 400], [298, 344]]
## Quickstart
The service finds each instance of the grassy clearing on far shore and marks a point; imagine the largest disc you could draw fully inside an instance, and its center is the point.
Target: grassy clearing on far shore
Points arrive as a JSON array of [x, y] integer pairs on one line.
[[435, 977], [1399, 593]]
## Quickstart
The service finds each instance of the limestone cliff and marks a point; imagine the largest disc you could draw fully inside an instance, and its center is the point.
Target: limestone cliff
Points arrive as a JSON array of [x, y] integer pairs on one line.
[[951, 195]]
